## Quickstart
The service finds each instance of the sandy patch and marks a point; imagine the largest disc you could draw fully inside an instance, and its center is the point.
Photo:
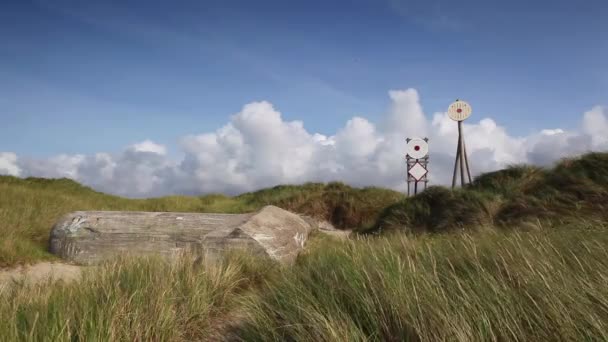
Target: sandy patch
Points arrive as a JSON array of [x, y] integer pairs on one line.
[[33, 274]]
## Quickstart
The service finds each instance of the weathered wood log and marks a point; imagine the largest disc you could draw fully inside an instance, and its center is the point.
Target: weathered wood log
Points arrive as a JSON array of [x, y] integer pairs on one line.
[[90, 237]]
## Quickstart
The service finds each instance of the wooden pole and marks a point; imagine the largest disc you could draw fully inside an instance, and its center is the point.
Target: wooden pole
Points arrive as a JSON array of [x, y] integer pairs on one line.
[[415, 188], [466, 160], [461, 140], [426, 165], [456, 163]]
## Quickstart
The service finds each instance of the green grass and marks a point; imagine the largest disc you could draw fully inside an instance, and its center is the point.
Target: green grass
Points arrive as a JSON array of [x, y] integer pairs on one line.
[[146, 299], [549, 284], [486, 286]]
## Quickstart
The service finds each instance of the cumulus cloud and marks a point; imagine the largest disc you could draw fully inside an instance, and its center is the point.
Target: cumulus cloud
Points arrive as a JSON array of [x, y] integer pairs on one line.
[[8, 164], [257, 148], [595, 125]]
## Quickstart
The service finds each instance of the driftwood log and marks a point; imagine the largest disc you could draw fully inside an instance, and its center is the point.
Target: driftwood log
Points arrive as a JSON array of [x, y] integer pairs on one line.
[[90, 237]]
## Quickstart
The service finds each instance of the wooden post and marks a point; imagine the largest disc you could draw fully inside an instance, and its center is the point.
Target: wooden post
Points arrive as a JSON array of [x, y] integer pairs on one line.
[[466, 159], [461, 139], [426, 177], [456, 163]]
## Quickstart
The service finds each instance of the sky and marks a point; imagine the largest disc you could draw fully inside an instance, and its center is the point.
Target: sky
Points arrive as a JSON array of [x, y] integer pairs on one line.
[[150, 98]]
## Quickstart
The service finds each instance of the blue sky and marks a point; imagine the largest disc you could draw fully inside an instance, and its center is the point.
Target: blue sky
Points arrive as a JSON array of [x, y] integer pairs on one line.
[[85, 76]]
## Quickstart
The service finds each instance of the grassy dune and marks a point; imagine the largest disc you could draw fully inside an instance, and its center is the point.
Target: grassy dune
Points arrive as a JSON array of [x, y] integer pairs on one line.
[[574, 191], [522, 254], [29, 208]]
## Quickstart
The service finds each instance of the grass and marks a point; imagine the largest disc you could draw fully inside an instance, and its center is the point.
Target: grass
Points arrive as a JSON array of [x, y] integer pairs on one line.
[[485, 286], [130, 300], [549, 284]]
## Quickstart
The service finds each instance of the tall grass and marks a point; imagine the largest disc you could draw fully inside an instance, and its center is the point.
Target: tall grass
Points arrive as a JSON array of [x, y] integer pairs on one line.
[[489, 286], [541, 285], [130, 300]]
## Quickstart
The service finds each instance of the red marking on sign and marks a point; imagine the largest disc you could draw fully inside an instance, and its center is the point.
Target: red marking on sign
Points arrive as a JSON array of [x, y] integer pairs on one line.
[[459, 110], [417, 148]]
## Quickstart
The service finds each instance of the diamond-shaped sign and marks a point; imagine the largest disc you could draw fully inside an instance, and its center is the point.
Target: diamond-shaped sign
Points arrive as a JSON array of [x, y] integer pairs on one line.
[[417, 171]]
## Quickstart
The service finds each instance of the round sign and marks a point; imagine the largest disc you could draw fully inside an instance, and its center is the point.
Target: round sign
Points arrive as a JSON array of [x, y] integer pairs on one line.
[[417, 148], [459, 110]]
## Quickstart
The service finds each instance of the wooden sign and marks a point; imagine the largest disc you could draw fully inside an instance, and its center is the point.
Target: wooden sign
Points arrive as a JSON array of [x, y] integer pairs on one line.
[[459, 110]]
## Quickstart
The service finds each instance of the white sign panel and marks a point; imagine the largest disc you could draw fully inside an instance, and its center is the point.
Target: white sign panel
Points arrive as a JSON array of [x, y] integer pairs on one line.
[[418, 171], [417, 148], [459, 110]]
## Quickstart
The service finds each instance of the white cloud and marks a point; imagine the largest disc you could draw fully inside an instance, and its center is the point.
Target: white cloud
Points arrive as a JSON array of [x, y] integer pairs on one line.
[[552, 131], [59, 166], [405, 115], [139, 170], [595, 124], [149, 146], [8, 164], [257, 149]]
